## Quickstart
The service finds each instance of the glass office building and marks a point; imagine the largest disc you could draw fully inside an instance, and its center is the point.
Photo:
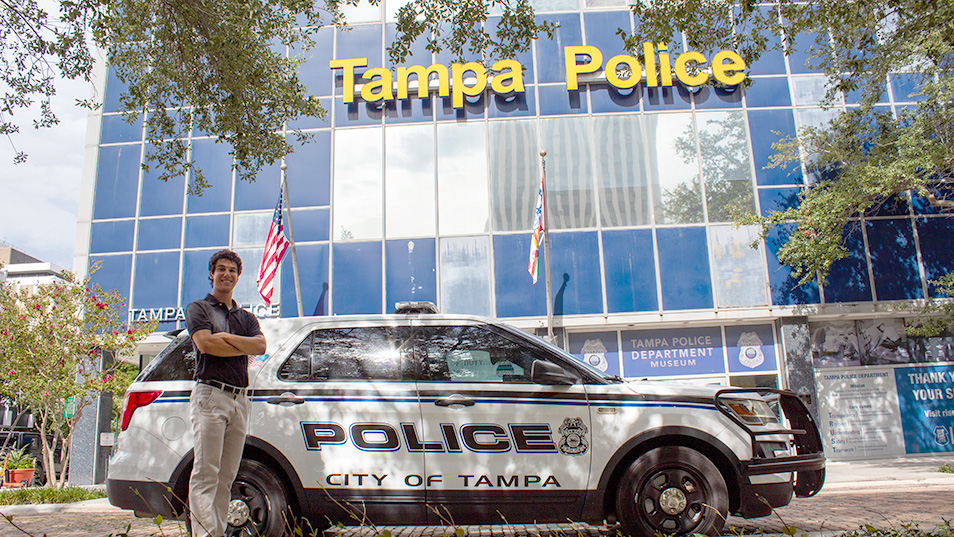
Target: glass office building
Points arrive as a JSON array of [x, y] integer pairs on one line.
[[413, 198]]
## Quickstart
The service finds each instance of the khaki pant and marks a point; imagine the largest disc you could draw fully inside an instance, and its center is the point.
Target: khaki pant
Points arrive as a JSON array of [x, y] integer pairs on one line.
[[219, 422]]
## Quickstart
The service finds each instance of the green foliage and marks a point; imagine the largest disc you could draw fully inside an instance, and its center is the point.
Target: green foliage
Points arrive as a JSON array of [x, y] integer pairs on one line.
[[19, 459], [51, 343], [947, 469], [37, 495]]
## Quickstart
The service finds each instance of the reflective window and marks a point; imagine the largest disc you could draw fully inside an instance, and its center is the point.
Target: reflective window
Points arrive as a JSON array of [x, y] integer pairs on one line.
[[550, 52], [418, 54], [312, 281], [314, 73], [767, 127], [246, 291], [113, 273], [357, 113], [473, 107], [357, 278], [310, 225], [620, 171], [601, 28], [410, 204], [157, 280], [361, 41], [676, 97], [542, 6], [195, 275], [717, 97], [768, 92], [905, 87], [114, 88], [605, 98], [463, 200], [513, 104], [737, 268], [786, 291], [202, 231], [159, 234], [465, 275], [848, 280], [725, 164], [515, 294], [216, 163], [771, 62], [575, 273], [117, 182], [628, 259], [111, 236], [557, 100], [117, 129], [894, 260], [474, 354], [249, 229], [367, 353], [309, 172], [409, 110], [410, 266], [778, 199], [514, 174], [160, 197], [684, 268], [808, 90], [936, 236], [801, 45], [262, 193], [358, 192], [674, 169], [571, 201]]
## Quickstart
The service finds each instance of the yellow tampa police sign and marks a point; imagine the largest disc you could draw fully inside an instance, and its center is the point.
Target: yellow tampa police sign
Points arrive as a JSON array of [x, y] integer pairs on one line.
[[622, 71]]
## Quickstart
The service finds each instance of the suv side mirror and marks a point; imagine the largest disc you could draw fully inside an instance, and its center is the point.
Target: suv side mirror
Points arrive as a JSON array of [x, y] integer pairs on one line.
[[543, 372]]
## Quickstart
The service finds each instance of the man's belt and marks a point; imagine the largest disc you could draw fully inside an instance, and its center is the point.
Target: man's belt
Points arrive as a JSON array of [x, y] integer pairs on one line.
[[223, 386]]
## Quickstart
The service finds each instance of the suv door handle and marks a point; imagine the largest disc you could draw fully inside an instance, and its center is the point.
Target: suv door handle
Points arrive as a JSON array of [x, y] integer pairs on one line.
[[285, 398], [454, 400]]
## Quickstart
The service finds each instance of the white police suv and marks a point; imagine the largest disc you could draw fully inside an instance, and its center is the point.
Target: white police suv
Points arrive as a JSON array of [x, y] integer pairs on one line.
[[419, 418]]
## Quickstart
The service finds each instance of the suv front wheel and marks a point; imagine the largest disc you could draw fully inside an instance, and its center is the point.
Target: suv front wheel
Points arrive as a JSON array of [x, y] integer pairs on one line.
[[672, 491], [259, 505]]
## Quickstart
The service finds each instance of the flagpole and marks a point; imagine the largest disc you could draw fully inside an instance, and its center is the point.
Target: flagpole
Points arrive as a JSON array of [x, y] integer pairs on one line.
[[291, 237], [546, 247]]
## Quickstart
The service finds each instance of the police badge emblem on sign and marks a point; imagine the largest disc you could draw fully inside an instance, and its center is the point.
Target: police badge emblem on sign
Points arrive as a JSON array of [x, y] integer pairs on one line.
[[750, 350], [573, 437]]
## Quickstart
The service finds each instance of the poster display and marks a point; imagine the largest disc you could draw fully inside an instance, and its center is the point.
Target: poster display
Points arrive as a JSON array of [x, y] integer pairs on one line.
[[926, 395], [751, 348], [598, 350], [688, 351], [858, 412]]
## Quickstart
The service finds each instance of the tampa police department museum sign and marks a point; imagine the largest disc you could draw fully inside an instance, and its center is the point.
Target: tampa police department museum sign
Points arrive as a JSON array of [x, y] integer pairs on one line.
[[622, 71]]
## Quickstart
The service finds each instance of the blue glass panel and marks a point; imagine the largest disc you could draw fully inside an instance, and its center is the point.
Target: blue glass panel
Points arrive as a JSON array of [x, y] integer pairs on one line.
[[764, 124], [261, 194], [550, 51], [117, 182], [411, 271], [216, 163], [855, 96], [361, 41], [357, 112], [115, 129], [751, 348], [114, 273], [157, 280], [418, 55], [311, 225], [312, 277], [802, 52], [557, 100], [409, 110], [896, 205], [601, 28], [114, 88], [607, 99], [159, 234], [309, 172], [525, 58], [207, 231], [683, 351], [465, 275], [768, 92], [905, 86], [630, 271], [785, 290], [894, 259], [195, 275], [160, 197], [778, 199], [708, 97], [676, 97], [315, 73], [111, 237], [357, 278], [473, 108], [923, 206], [848, 279], [936, 237], [599, 350], [575, 273], [517, 296], [684, 267], [771, 62], [513, 104]]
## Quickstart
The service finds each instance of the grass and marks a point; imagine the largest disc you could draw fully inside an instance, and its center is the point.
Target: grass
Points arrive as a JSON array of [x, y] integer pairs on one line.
[[34, 495], [947, 469]]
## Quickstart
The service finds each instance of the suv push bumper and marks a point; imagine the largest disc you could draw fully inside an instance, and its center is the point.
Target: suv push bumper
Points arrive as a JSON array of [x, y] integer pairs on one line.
[[146, 498]]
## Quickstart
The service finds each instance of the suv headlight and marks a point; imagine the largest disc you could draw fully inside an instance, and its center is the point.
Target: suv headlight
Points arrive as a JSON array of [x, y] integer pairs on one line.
[[751, 411]]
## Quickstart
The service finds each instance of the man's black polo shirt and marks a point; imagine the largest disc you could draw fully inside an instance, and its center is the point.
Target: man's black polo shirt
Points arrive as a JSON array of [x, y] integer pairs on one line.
[[214, 316]]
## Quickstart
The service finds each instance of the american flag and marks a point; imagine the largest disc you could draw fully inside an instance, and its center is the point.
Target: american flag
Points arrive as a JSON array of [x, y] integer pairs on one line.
[[275, 246], [537, 233]]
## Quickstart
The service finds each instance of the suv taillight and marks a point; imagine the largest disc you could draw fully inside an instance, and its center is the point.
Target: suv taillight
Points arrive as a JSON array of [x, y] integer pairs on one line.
[[134, 400]]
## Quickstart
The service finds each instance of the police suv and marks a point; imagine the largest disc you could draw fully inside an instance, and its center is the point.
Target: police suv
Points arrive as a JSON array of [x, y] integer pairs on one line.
[[424, 418]]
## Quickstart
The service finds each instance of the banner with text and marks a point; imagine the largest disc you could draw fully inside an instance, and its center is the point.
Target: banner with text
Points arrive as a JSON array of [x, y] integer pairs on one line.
[[689, 351]]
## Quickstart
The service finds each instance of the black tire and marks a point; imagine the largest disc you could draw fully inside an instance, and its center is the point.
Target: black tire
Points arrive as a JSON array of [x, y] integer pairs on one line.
[[672, 491], [265, 496]]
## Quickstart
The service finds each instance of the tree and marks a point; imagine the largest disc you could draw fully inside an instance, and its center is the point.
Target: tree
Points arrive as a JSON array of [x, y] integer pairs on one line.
[[51, 341], [218, 67]]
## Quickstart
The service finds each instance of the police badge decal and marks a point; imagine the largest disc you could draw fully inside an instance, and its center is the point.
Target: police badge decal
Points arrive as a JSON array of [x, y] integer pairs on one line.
[[573, 437]]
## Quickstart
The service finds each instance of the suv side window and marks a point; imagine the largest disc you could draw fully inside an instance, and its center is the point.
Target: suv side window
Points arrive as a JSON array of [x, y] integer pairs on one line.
[[175, 362], [473, 354], [365, 353]]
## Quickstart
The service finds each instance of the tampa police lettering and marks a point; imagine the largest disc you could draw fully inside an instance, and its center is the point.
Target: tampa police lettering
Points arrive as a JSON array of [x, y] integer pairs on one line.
[[479, 437]]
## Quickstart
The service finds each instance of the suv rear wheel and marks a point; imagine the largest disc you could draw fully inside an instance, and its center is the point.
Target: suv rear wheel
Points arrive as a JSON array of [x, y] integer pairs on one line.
[[672, 491]]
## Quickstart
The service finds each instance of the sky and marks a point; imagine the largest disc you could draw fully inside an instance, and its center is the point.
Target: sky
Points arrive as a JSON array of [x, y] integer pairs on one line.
[[39, 198]]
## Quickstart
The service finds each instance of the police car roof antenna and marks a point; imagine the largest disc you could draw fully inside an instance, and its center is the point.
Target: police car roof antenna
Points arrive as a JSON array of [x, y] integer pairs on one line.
[[546, 248]]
